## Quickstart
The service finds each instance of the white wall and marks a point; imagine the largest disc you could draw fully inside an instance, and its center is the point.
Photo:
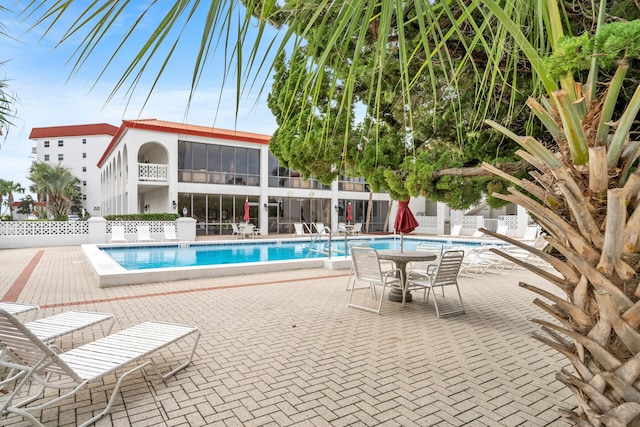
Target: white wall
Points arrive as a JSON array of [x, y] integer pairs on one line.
[[72, 150]]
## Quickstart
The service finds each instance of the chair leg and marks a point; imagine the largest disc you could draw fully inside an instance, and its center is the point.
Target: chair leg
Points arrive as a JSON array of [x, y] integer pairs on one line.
[[448, 313]]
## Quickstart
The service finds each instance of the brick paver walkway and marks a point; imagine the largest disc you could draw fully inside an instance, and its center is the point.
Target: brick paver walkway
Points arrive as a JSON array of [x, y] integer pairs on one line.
[[282, 349]]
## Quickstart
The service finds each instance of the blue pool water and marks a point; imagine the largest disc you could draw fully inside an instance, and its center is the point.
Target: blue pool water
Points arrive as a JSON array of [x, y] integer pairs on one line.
[[185, 255]]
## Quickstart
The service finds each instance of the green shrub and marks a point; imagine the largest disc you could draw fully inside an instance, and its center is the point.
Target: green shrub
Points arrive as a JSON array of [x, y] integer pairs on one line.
[[143, 217]]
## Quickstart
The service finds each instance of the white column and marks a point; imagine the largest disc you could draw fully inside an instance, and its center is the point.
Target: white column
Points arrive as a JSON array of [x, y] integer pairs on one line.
[[442, 215], [523, 221], [263, 216]]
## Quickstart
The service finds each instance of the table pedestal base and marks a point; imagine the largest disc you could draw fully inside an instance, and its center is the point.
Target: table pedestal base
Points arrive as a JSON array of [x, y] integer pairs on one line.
[[396, 295]]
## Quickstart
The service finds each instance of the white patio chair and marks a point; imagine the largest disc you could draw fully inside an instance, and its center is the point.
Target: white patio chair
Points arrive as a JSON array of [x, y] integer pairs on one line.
[[170, 234], [352, 273], [445, 273], [366, 266], [246, 230], [143, 234], [117, 234], [122, 353]]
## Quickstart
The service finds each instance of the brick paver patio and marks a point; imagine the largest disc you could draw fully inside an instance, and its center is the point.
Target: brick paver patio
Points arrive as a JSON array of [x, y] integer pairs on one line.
[[282, 349]]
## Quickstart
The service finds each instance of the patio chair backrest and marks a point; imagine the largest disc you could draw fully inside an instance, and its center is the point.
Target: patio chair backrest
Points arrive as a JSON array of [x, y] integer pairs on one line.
[[235, 228], [28, 349], [448, 268], [366, 263], [357, 227]]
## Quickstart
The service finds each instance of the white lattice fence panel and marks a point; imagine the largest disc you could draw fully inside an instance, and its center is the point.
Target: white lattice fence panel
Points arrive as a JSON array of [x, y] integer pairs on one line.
[[43, 228]]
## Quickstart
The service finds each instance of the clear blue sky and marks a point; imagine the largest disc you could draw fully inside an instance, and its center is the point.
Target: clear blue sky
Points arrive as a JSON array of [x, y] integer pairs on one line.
[[39, 76]]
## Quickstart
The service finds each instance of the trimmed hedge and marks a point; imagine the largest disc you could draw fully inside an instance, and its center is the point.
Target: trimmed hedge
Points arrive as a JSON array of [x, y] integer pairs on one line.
[[143, 217]]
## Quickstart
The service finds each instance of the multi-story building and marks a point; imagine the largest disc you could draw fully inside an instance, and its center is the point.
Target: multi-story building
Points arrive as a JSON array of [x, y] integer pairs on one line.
[[209, 173], [78, 148]]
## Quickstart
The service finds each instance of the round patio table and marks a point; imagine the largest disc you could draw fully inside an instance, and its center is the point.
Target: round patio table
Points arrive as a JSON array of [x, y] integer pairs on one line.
[[401, 259]]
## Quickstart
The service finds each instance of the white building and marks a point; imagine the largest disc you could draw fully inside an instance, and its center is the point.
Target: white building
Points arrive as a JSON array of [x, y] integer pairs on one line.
[[208, 173], [78, 148]]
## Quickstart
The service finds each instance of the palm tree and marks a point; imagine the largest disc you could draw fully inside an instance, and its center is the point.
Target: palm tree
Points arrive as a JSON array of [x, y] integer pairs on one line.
[[3, 191], [10, 187], [58, 186]]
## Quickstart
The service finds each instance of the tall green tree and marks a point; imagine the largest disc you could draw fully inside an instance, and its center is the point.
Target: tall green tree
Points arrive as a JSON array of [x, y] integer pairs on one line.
[[3, 191], [56, 184], [427, 73], [584, 189]]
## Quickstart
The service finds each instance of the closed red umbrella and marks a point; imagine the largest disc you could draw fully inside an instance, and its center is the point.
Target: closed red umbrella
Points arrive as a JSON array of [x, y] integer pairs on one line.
[[405, 221], [246, 211], [349, 213]]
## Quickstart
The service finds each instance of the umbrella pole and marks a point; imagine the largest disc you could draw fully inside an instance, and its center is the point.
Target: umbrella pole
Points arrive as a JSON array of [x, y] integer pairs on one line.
[[401, 242]]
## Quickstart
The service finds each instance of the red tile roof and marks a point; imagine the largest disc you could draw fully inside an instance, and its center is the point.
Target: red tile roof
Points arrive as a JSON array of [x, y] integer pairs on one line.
[[183, 129], [73, 130]]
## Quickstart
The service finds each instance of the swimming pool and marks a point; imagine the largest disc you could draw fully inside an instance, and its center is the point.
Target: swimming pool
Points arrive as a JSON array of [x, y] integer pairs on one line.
[[115, 265], [194, 254]]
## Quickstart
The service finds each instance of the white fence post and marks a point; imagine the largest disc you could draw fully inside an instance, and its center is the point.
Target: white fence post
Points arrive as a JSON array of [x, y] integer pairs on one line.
[[186, 229], [97, 229]]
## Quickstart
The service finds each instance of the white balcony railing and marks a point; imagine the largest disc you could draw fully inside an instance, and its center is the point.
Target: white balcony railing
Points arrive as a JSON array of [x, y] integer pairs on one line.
[[152, 172]]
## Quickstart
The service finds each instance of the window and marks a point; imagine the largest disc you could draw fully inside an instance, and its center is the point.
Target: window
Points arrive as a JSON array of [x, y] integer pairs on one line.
[[84, 197], [84, 169], [46, 157], [84, 182], [46, 144], [84, 140], [60, 143], [60, 157], [218, 164], [84, 155]]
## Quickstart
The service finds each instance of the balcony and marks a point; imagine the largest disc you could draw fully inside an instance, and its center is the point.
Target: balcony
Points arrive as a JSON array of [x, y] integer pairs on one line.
[[150, 172]]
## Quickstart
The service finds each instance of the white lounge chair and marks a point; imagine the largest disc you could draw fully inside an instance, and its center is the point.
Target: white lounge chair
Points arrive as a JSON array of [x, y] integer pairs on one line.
[[170, 234], [235, 230], [122, 353], [48, 329], [531, 233], [16, 308], [298, 228], [357, 228], [143, 234], [117, 234]]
